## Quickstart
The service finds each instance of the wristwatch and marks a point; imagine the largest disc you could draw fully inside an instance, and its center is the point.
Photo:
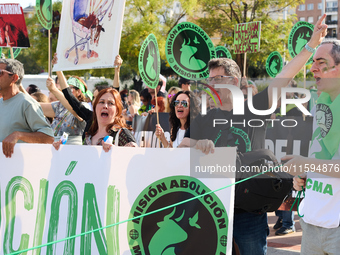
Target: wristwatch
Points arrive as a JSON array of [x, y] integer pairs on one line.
[[310, 49]]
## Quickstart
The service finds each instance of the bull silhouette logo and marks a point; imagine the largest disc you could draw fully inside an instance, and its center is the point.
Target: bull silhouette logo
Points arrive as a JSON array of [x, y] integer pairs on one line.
[[300, 43], [149, 65], [188, 58], [273, 66], [169, 234], [181, 229]]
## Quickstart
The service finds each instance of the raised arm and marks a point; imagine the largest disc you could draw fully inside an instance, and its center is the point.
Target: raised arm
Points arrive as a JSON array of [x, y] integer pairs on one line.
[[297, 63], [60, 96], [118, 62], [75, 104]]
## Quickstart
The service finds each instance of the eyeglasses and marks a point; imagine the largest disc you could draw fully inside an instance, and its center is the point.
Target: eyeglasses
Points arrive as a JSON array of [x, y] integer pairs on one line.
[[183, 103], [171, 95], [219, 79], [2, 71]]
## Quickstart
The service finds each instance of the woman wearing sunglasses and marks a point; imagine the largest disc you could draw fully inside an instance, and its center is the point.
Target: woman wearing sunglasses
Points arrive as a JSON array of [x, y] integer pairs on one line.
[[179, 118]]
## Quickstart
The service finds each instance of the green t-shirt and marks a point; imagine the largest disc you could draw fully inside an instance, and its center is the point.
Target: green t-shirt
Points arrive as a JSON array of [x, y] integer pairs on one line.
[[22, 113]]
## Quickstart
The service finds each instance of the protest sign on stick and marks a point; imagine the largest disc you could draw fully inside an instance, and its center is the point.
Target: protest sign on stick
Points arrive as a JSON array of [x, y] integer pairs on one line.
[[222, 52], [247, 39], [298, 38], [44, 11], [188, 51], [90, 33], [149, 65], [13, 30], [274, 64]]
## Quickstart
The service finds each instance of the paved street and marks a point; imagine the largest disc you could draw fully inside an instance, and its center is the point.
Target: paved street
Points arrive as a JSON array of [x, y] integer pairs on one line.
[[284, 245]]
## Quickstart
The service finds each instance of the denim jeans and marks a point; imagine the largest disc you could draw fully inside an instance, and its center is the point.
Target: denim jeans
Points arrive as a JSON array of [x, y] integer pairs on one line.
[[250, 233], [287, 218]]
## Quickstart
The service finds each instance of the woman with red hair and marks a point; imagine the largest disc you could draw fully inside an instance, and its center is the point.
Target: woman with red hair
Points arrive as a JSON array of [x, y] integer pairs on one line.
[[108, 121]]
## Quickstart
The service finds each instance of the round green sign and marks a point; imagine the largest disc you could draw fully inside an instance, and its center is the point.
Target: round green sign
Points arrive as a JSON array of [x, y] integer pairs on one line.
[[222, 52], [180, 228], [188, 51], [149, 62], [298, 38], [16, 52], [274, 64]]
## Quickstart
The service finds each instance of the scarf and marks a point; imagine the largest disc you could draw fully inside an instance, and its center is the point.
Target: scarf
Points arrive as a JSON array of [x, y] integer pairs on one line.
[[328, 120]]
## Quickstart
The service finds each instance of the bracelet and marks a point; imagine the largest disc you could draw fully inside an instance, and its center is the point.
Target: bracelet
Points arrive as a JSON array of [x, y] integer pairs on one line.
[[310, 49]]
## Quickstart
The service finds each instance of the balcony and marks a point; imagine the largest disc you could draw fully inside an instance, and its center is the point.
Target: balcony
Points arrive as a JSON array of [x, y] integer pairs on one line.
[[334, 9], [331, 22], [333, 36]]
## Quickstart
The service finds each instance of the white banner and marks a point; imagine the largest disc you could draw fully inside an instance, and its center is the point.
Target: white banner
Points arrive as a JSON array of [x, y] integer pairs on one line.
[[48, 195], [89, 34]]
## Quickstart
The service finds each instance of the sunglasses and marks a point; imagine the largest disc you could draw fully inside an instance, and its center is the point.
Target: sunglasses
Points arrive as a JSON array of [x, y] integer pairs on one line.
[[219, 78], [2, 71], [183, 103]]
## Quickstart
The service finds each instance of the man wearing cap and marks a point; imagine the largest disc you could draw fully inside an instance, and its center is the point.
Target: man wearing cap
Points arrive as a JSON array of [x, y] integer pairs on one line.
[[21, 117], [184, 84]]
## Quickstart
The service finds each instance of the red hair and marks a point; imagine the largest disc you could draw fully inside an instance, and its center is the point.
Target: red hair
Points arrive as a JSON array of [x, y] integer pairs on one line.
[[160, 102], [118, 120]]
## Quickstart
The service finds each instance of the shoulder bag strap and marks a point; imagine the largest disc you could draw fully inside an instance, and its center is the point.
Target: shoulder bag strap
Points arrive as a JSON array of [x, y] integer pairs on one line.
[[117, 137]]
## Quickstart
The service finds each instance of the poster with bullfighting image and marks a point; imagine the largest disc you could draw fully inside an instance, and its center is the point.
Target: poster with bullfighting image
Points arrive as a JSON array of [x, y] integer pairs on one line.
[[13, 30], [127, 201], [89, 34]]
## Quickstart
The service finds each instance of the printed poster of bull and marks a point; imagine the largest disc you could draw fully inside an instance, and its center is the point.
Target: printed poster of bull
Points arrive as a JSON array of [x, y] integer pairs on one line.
[[89, 34], [13, 31]]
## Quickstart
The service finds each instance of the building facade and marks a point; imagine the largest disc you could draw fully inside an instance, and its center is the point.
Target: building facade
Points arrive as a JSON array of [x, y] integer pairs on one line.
[[311, 11]]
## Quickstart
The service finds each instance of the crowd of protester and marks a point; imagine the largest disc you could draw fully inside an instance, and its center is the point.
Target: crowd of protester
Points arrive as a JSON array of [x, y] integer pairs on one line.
[[104, 118]]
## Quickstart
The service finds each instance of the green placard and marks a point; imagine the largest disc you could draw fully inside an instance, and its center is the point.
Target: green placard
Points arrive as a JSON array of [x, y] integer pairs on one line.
[[149, 62], [16, 52], [222, 52], [44, 13], [247, 37], [188, 51], [274, 64], [180, 226], [298, 37]]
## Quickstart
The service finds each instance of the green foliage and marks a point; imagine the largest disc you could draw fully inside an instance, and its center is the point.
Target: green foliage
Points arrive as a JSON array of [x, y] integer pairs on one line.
[[143, 17], [35, 58], [221, 17], [171, 83], [101, 83]]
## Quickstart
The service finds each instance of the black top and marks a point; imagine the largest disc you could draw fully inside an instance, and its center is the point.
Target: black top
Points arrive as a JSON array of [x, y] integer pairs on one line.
[[83, 112], [236, 130]]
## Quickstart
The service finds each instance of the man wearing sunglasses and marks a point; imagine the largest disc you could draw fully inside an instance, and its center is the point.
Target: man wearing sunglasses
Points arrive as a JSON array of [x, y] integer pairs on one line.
[[21, 117], [250, 230]]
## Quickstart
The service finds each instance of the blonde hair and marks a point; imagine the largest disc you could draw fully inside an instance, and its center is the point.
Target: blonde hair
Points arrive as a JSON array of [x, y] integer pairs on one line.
[[135, 97], [168, 100]]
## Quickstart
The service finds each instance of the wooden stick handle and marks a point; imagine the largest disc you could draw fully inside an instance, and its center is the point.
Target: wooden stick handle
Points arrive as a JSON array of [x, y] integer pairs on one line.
[[12, 54], [49, 54], [244, 64]]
